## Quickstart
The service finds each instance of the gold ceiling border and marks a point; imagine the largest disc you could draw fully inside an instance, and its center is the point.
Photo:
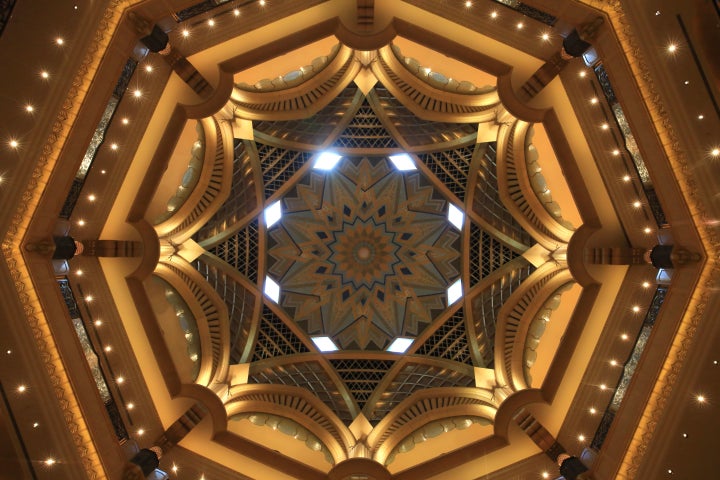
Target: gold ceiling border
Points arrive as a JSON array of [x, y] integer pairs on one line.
[[682, 341], [19, 225]]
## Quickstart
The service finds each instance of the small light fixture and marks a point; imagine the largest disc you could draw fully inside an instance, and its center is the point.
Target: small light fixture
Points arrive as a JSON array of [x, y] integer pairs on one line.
[[44, 74], [324, 344], [92, 197], [400, 345], [613, 363], [98, 322], [29, 108], [624, 336], [637, 204], [647, 230], [686, 82], [211, 22], [326, 161], [125, 121], [592, 411], [581, 437], [700, 399], [130, 406], [403, 162], [545, 36], [520, 25], [36, 425], [148, 68], [545, 475], [185, 33], [626, 178], [108, 348], [603, 386], [21, 388], [13, 143], [616, 152], [50, 462], [685, 435], [582, 73], [468, 4], [605, 126], [273, 214], [140, 432], [137, 93], [701, 116], [646, 284], [594, 100], [454, 292], [59, 41], [272, 289], [715, 152], [262, 3], [114, 146], [236, 12], [175, 468], [672, 48], [88, 298], [120, 380]]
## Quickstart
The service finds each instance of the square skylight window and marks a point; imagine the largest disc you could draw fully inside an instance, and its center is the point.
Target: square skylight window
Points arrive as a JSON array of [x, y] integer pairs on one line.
[[403, 162], [456, 216], [324, 344], [400, 345], [327, 161], [273, 214], [455, 292], [272, 289]]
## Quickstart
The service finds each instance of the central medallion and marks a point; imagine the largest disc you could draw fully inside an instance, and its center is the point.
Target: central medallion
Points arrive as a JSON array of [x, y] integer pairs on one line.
[[363, 253]]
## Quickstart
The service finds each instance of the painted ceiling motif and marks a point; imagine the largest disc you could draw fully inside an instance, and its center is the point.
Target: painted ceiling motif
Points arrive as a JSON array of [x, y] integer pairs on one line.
[[364, 253]]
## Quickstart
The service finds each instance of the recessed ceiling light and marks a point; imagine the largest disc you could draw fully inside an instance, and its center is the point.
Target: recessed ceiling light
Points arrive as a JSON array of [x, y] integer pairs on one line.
[[582, 73], [236, 12], [211, 22], [273, 214], [468, 4], [626, 178], [324, 344], [594, 100], [637, 204], [148, 68], [605, 126], [44, 74], [715, 152], [262, 3], [520, 25], [185, 33], [493, 14], [545, 475], [326, 161], [400, 345], [700, 398], [647, 230], [701, 116], [137, 93], [624, 336], [613, 363], [59, 40], [21, 388], [545, 36], [672, 48], [403, 162], [272, 289], [456, 216], [29, 108], [50, 462], [581, 437], [454, 292], [13, 143]]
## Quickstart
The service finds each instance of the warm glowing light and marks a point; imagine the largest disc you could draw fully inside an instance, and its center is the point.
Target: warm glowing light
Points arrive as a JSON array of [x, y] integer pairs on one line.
[[103, 172], [403, 162], [685, 435], [646, 284], [686, 82], [545, 475], [262, 3], [593, 411], [130, 406], [604, 126], [140, 432], [624, 336], [50, 462], [626, 178], [715, 152], [647, 230], [211, 22], [92, 197], [148, 68], [59, 41], [400, 345], [493, 15], [21, 388], [120, 380], [14, 143], [701, 116], [137, 93], [79, 273], [175, 468], [324, 344], [637, 204], [581, 438], [29, 108], [44, 74], [603, 386], [468, 4], [114, 146], [81, 222], [36, 425], [98, 322], [108, 348], [520, 25], [186, 33], [125, 121], [672, 48], [236, 12], [700, 399], [594, 100], [545, 36], [616, 152], [613, 363], [582, 73]]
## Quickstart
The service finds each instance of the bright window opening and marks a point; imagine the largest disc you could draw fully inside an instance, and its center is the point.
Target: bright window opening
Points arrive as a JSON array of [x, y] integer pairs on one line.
[[327, 161], [456, 216], [403, 162], [325, 344], [272, 289], [455, 292], [400, 345], [273, 214]]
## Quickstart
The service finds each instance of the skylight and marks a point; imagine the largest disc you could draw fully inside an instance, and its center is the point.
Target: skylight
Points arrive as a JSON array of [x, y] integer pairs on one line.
[[456, 216], [400, 345], [273, 213], [272, 289], [454, 292], [324, 344], [403, 162], [327, 161]]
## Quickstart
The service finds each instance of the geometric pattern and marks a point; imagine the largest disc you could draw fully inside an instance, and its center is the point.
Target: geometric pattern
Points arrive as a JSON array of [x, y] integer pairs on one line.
[[275, 338], [363, 253], [451, 167], [279, 165], [487, 254], [361, 376], [365, 131], [449, 341], [241, 251]]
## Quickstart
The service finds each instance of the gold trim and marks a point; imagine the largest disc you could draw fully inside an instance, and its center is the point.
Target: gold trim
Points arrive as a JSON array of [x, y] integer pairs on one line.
[[19, 225], [695, 310]]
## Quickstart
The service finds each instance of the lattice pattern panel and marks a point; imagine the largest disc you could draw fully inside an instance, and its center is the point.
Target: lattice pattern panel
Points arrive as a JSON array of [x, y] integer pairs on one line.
[[416, 131], [451, 167], [313, 130], [487, 304], [275, 339], [487, 254], [279, 165], [414, 377], [487, 203], [310, 376], [241, 251], [365, 131], [449, 341], [361, 376], [241, 201], [240, 304]]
